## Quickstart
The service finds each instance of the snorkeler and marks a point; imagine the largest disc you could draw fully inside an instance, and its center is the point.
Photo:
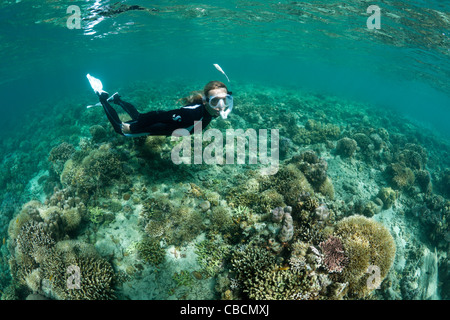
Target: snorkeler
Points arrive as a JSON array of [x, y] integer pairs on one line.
[[215, 100]]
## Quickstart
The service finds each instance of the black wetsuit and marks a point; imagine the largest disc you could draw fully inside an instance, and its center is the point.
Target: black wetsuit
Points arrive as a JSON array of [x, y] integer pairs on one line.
[[157, 123]]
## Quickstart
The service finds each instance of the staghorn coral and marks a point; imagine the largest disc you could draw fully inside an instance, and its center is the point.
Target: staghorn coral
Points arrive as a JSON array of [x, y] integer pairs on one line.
[[96, 276], [260, 277], [279, 284], [248, 262], [96, 283], [366, 243], [32, 239]]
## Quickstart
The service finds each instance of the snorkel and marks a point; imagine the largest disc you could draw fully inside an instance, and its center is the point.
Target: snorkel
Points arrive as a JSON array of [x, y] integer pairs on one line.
[[224, 106]]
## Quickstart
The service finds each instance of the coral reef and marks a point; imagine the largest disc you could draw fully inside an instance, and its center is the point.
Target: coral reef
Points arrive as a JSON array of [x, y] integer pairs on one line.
[[132, 222], [41, 256]]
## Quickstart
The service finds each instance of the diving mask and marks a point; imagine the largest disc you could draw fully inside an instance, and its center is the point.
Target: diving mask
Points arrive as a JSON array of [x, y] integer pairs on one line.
[[224, 103]]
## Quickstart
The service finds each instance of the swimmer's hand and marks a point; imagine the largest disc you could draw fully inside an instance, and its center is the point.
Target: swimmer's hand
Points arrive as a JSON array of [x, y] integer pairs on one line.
[[126, 128]]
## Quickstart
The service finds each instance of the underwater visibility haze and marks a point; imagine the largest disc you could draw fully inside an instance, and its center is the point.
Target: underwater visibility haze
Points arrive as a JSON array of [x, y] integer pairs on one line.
[[356, 93]]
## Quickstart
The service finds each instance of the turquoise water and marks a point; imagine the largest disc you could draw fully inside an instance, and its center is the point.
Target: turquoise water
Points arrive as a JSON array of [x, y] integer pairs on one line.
[[318, 53]]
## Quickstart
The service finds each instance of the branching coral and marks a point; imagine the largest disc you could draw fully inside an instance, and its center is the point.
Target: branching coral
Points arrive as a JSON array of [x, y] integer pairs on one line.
[[334, 258], [98, 168], [260, 277], [366, 243], [150, 251], [211, 256]]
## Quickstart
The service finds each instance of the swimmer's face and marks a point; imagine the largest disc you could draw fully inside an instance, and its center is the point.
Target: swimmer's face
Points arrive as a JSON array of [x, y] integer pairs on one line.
[[218, 93]]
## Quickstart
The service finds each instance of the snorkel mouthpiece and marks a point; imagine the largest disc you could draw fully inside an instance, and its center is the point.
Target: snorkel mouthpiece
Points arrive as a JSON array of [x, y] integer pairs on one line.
[[225, 112]]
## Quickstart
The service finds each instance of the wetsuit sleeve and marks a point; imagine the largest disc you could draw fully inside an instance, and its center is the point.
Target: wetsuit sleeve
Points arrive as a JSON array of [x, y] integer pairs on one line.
[[165, 122]]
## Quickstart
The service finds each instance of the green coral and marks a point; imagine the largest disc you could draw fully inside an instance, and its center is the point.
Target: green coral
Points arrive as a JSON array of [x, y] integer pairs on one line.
[[95, 215], [248, 262], [289, 182], [211, 256], [186, 225], [413, 156], [221, 219], [182, 278], [388, 196]]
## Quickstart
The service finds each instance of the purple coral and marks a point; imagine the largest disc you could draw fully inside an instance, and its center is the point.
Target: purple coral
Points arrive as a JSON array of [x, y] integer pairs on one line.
[[334, 258], [287, 230], [279, 212]]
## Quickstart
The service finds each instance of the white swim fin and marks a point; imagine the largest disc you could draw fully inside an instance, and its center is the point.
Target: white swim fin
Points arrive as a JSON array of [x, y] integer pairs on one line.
[[95, 83], [94, 105]]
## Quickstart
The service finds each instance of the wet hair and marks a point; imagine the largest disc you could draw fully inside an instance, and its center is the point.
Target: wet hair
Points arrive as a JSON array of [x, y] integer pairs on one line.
[[196, 97]]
